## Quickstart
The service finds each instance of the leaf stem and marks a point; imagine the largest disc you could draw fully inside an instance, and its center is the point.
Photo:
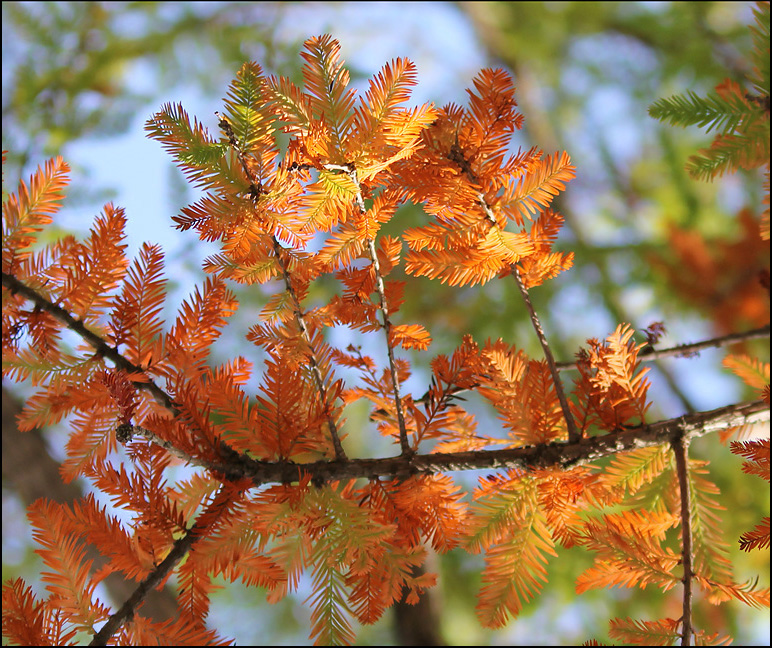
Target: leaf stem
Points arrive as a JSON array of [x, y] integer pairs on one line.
[[403, 441]]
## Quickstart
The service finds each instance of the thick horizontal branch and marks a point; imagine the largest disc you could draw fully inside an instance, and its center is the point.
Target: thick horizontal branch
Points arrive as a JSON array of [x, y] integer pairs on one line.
[[238, 466], [559, 455]]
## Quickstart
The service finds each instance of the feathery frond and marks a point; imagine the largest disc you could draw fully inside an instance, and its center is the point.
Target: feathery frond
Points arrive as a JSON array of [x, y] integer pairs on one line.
[[516, 547], [629, 552], [29, 209], [663, 632]]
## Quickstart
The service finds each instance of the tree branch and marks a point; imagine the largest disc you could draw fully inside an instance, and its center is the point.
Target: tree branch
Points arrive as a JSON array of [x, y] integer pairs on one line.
[[574, 434], [680, 444], [179, 549], [384, 307], [456, 154], [31, 472], [552, 455], [316, 372], [687, 350], [239, 466], [255, 188]]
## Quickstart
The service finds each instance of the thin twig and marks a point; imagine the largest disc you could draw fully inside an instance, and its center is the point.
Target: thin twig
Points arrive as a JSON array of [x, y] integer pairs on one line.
[[679, 351], [403, 442], [316, 372], [540, 129], [384, 307], [456, 154], [688, 350], [256, 190], [574, 434], [680, 444]]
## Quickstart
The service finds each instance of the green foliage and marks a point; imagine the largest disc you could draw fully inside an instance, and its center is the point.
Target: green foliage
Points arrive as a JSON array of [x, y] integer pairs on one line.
[[724, 114], [70, 69], [760, 35], [741, 118]]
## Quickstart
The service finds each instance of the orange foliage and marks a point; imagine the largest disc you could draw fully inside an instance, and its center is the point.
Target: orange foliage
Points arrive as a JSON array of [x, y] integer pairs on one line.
[[350, 163], [727, 280]]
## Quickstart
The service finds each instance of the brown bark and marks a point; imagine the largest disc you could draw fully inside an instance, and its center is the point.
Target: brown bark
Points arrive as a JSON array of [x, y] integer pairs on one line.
[[419, 624]]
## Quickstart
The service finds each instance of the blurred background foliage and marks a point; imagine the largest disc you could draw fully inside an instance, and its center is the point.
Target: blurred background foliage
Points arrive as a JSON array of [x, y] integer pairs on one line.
[[650, 243]]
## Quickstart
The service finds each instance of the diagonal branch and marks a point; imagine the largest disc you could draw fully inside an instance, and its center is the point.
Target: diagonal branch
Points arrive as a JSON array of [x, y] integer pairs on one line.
[[99, 344], [456, 155], [316, 371], [105, 350], [179, 550], [574, 434]]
